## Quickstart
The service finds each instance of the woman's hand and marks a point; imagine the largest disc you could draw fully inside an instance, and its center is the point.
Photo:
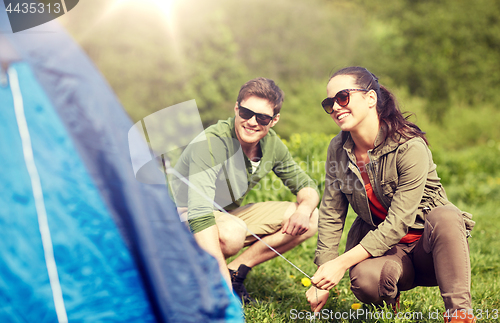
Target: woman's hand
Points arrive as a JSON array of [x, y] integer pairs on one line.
[[329, 274], [317, 298]]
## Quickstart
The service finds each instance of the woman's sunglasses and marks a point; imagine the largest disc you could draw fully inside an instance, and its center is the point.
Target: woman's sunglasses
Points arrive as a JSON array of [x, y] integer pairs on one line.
[[262, 119], [342, 98]]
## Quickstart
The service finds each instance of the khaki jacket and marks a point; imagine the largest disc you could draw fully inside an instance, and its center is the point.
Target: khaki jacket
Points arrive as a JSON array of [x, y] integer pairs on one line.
[[404, 179]]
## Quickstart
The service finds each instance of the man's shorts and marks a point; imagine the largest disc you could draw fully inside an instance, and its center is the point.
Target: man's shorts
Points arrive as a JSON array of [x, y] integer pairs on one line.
[[261, 218]]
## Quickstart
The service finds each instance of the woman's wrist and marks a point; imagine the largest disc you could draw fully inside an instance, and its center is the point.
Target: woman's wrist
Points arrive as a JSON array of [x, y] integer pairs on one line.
[[343, 262], [352, 257]]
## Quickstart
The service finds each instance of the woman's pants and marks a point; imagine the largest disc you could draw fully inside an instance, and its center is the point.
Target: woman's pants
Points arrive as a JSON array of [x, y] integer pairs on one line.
[[439, 258]]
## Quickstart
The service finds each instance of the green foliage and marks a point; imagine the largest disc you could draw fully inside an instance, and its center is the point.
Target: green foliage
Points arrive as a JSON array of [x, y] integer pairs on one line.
[[211, 48], [155, 65], [213, 70], [309, 151], [446, 51], [471, 176]]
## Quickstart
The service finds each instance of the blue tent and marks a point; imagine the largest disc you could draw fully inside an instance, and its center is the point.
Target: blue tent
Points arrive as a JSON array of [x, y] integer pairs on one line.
[[81, 239]]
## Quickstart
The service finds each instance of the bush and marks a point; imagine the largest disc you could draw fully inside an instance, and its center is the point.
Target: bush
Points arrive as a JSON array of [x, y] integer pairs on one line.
[[471, 175], [309, 151]]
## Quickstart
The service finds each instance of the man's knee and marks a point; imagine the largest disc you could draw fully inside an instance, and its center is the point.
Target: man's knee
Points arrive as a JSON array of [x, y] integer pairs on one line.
[[232, 234]]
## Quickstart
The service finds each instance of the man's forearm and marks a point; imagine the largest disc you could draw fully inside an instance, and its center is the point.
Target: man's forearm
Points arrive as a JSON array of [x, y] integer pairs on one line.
[[308, 200]]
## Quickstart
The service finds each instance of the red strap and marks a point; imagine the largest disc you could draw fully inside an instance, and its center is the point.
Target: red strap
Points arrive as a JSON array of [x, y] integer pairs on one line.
[[380, 212]]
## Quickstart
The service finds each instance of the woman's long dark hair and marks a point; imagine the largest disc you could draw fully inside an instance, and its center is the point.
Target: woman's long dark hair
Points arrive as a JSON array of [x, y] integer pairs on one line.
[[389, 114]]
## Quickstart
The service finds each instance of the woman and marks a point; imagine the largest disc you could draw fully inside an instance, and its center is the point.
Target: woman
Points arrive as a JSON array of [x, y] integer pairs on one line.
[[407, 233]]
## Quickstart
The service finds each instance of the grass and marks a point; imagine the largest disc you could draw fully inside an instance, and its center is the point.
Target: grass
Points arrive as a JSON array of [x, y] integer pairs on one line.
[[281, 296]]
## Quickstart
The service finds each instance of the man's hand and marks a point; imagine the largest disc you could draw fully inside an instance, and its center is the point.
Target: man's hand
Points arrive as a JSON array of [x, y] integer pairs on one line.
[[297, 224]]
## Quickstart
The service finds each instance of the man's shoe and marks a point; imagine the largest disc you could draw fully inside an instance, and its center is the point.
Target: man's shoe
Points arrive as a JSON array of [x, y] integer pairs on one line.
[[237, 278]]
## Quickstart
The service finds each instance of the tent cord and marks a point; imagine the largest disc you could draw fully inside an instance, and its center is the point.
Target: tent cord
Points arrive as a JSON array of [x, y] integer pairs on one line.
[[38, 197], [171, 170]]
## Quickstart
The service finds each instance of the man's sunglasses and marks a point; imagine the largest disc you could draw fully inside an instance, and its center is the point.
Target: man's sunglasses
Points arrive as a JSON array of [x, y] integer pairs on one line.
[[342, 98], [262, 119]]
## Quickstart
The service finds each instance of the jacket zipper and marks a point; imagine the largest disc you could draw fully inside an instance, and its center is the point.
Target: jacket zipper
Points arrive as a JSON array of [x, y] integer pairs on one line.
[[366, 194], [380, 196]]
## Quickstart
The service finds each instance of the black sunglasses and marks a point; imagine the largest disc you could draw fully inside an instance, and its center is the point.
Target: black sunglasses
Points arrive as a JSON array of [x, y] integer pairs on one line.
[[262, 119], [342, 98]]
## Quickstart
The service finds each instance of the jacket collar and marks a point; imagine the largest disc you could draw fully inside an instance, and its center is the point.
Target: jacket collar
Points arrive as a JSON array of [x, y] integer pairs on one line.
[[382, 146]]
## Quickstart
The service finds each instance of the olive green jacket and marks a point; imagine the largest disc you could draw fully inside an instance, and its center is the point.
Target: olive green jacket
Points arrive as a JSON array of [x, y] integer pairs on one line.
[[404, 180]]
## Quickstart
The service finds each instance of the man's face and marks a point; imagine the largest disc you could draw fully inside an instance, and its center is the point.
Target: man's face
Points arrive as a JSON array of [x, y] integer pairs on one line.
[[250, 131]]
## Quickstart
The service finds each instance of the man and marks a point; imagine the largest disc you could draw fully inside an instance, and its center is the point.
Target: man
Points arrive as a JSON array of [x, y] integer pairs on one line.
[[282, 225]]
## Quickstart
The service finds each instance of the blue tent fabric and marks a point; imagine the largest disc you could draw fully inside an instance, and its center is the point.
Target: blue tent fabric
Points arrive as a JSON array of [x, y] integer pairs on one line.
[[122, 254], [96, 270]]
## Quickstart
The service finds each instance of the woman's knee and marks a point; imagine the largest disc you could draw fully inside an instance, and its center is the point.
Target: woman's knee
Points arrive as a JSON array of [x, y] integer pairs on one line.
[[446, 220], [375, 283], [364, 283]]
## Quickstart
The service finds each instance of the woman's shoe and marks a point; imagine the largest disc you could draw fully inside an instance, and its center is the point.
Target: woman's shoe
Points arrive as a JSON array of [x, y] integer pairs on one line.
[[457, 319], [395, 306]]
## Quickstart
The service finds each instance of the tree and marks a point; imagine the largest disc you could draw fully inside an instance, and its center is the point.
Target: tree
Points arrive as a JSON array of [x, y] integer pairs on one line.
[[447, 51]]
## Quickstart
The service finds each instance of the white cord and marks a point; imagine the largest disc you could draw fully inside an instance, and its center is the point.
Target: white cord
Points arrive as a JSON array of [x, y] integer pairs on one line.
[[63, 2], [38, 197], [171, 170]]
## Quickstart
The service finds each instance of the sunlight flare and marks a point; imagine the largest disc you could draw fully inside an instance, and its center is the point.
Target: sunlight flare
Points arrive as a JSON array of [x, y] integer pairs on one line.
[[163, 6]]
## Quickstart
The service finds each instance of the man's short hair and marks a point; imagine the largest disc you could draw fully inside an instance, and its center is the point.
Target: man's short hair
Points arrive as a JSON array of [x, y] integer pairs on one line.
[[263, 88]]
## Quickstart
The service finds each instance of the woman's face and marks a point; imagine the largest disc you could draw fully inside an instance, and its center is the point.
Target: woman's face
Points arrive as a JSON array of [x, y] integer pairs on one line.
[[361, 109]]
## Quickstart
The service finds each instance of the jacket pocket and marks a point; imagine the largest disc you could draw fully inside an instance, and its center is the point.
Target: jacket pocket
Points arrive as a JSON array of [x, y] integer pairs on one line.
[[389, 188], [347, 190]]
